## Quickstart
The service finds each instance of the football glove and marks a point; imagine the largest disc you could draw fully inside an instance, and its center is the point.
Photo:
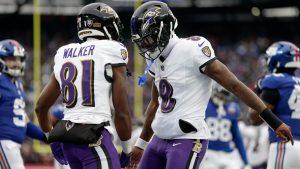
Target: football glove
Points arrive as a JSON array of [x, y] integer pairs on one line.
[[125, 159]]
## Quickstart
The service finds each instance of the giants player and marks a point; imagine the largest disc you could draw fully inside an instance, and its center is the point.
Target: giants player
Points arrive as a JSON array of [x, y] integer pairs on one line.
[[280, 90], [14, 123], [222, 119]]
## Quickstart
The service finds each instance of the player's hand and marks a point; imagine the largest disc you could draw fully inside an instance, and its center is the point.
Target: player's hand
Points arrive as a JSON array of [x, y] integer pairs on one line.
[[125, 159], [284, 132], [58, 153], [136, 156]]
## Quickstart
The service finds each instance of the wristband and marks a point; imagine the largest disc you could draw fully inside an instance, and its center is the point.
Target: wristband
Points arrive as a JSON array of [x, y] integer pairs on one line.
[[140, 143], [269, 117], [126, 145]]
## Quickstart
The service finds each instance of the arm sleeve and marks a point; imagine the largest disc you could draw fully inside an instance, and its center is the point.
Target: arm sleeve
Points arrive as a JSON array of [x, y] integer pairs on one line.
[[35, 132], [237, 138]]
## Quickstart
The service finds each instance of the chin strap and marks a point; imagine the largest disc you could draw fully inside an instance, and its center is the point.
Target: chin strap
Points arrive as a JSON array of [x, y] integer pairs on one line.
[[142, 79]]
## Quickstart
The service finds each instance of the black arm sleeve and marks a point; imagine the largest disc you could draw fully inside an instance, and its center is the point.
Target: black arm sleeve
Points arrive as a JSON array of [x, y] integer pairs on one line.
[[270, 96]]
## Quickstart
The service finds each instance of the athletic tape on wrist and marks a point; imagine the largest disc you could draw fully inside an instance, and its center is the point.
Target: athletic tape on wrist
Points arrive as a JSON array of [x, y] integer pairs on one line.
[[142, 144], [126, 145]]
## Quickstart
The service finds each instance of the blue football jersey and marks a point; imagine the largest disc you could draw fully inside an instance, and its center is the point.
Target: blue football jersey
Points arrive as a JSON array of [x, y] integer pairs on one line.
[[288, 106], [12, 110], [221, 126]]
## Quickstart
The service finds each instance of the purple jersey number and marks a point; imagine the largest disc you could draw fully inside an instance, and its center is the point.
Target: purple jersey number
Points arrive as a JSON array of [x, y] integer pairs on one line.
[[166, 92], [68, 75]]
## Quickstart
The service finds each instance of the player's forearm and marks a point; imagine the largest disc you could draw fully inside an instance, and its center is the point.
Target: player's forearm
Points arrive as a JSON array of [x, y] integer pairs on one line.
[[123, 121], [43, 115], [248, 97], [44, 120], [147, 131], [221, 74], [122, 114], [123, 125], [253, 101], [120, 102], [48, 97]]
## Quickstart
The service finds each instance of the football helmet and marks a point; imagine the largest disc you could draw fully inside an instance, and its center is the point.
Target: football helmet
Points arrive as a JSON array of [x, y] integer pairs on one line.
[[220, 93], [12, 48], [152, 25], [99, 20], [282, 55]]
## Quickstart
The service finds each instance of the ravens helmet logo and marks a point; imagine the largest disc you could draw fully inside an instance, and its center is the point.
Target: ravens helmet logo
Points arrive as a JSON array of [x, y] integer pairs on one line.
[[108, 10], [149, 17]]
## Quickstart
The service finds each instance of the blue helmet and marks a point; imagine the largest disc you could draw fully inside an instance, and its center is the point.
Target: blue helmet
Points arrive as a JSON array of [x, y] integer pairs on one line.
[[12, 48], [282, 55]]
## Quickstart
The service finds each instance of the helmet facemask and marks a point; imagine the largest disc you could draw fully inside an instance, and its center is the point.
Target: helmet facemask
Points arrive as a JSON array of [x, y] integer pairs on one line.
[[12, 72]]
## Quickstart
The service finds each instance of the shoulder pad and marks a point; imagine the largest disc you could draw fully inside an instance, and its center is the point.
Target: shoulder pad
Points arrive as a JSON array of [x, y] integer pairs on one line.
[[119, 53], [272, 81]]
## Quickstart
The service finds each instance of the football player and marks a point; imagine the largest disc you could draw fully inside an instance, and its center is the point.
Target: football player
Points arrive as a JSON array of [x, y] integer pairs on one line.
[[280, 90], [87, 74], [14, 123], [222, 119], [182, 70]]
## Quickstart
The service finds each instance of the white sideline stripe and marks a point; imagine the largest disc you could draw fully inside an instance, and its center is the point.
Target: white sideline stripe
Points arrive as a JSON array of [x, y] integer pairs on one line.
[[102, 156], [193, 160]]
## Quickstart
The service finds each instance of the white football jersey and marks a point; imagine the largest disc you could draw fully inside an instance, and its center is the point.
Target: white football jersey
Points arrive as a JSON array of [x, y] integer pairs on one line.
[[84, 73], [183, 88]]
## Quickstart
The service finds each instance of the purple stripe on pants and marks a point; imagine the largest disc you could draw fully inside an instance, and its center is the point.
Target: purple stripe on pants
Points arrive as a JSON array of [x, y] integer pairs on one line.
[[173, 154], [81, 156]]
